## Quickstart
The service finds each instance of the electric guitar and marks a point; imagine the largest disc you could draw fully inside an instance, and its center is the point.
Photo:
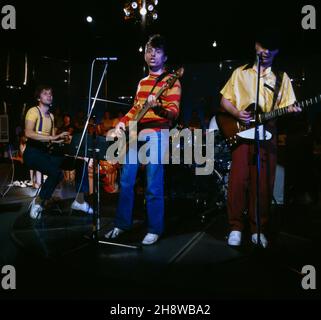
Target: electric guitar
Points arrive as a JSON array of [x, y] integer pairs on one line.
[[233, 130], [143, 110], [167, 85]]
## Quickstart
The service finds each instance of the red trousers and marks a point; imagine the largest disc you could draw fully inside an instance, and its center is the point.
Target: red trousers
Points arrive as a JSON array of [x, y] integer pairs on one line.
[[242, 184]]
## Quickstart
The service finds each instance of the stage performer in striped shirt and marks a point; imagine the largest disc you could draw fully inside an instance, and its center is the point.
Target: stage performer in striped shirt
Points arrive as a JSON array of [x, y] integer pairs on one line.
[[160, 116]]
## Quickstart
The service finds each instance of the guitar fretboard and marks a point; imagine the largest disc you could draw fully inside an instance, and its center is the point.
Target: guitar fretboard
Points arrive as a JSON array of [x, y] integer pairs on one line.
[[282, 111]]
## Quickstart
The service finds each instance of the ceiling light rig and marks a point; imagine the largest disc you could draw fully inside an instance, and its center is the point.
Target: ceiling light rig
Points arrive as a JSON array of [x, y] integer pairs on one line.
[[141, 10]]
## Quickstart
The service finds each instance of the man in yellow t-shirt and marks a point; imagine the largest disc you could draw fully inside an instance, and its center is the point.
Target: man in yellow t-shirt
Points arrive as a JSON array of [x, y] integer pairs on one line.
[[39, 129], [239, 92]]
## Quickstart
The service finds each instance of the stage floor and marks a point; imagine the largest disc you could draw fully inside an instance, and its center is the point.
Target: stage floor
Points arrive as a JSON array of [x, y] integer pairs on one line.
[[54, 259]]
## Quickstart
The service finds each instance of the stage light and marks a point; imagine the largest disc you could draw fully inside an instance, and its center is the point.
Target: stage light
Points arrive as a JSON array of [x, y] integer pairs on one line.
[[89, 19], [127, 12], [214, 44], [143, 11], [140, 49]]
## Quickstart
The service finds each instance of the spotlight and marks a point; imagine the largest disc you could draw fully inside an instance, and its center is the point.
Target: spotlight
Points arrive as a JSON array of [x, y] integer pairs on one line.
[[143, 11], [89, 19], [214, 44], [134, 5], [140, 11], [127, 12], [140, 49]]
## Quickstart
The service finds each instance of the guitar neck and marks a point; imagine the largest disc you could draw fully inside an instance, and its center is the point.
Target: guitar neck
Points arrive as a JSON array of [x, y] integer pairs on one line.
[[140, 114], [283, 111]]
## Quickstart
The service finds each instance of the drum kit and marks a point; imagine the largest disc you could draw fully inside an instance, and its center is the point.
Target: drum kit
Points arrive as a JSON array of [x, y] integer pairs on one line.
[[209, 191]]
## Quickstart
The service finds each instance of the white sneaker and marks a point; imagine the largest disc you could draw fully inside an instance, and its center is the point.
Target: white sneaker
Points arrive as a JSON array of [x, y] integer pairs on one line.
[[114, 233], [263, 239], [234, 238], [150, 238], [28, 183], [35, 210], [85, 207], [22, 184]]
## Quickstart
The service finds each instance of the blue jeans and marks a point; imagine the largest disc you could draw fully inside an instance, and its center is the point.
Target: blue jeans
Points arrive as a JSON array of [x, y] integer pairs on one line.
[[154, 189]]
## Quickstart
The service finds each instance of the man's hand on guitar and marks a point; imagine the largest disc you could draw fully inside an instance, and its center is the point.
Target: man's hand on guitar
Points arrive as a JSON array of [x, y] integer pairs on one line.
[[244, 116], [157, 107], [152, 102], [120, 128], [294, 108]]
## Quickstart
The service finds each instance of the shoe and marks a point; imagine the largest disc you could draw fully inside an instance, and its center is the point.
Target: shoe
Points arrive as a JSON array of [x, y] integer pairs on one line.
[[85, 207], [234, 238], [22, 184], [114, 233], [150, 238], [28, 183], [263, 239], [35, 210], [16, 183]]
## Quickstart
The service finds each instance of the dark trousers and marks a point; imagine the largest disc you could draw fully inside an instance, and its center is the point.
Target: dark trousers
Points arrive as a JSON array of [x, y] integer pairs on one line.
[[40, 160], [242, 184], [81, 179]]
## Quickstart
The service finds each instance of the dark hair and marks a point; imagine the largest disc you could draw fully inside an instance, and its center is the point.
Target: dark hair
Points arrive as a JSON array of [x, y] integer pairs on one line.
[[157, 41], [40, 88], [269, 38]]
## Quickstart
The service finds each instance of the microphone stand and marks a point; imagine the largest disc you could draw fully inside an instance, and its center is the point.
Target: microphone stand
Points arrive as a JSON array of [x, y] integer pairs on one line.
[[95, 151], [257, 151]]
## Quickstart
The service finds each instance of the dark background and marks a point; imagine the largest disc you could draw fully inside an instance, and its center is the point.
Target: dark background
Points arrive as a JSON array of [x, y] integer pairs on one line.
[[59, 46]]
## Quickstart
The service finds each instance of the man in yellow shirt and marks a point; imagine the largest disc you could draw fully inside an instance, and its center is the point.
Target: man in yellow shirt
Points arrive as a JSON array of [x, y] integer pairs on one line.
[[239, 92], [39, 129]]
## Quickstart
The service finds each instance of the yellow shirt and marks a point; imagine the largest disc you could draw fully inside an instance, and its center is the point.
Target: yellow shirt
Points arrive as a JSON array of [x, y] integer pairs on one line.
[[47, 122], [240, 89]]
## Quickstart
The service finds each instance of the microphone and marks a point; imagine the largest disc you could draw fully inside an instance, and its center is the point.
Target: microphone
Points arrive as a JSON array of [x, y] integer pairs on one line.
[[106, 59]]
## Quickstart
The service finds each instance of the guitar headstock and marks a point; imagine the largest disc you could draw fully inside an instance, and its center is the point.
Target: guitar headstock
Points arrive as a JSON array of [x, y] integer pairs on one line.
[[176, 75]]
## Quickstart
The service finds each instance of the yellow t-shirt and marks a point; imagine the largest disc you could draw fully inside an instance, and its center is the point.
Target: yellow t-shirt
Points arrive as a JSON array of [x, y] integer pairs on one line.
[[240, 89], [44, 128]]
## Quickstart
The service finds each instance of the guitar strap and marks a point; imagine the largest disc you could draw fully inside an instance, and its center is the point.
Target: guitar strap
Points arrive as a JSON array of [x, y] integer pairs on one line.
[[158, 79], [278, 82]]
